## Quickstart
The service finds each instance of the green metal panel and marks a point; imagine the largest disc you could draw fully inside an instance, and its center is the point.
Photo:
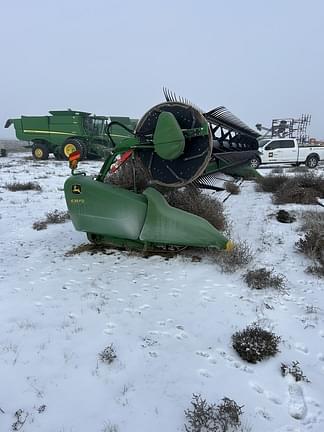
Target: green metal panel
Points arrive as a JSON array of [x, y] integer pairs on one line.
[[168, 225], [39, 122], [19, 129], [36, 127], [244, 171], [62, 127], [65, 120], [118, 214], [101, 208], [168, 139], [241, 170], [54, 130]]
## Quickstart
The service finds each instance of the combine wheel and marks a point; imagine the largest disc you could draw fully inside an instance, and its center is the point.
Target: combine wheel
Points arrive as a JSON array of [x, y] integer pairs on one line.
[[40, 151], [255, 162], [72, 145], [312, 161]]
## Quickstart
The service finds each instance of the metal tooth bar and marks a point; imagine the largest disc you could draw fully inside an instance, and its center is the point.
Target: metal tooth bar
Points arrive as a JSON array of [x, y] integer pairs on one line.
[[219, 115], [206, 179], [166, 94], [206, 182], [172, 97], [223, 116]]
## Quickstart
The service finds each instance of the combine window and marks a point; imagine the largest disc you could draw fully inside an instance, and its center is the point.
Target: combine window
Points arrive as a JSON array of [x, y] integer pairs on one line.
[[98, 126], [94, 126], [88, 124]]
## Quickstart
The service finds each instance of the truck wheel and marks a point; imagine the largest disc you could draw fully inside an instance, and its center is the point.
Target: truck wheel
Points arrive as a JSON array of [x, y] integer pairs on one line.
[[40, 151], [255, 162], [72, 145], [311, 161]]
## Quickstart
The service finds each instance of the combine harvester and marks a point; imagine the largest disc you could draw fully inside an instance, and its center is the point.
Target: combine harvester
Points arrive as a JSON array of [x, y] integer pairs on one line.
[[63, 132], [178, 145]]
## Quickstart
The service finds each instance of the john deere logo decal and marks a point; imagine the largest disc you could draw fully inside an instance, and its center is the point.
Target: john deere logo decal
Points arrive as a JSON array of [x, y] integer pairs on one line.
[[76, 189]]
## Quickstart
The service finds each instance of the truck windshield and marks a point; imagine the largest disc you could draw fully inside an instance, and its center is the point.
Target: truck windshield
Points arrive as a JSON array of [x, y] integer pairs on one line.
[[263, 142]]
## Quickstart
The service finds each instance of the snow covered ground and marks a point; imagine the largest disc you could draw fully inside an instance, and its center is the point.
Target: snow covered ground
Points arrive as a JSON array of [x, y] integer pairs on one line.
[[170, 322]]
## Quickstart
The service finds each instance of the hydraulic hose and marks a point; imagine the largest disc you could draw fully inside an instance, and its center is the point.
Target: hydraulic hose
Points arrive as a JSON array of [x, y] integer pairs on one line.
[[116, 123]]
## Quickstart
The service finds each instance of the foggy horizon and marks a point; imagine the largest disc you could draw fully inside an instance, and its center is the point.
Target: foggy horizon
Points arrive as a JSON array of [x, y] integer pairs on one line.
[[262, 60]]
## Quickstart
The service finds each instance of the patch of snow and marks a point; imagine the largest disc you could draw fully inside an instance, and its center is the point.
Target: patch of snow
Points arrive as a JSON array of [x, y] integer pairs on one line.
[[170, 321]]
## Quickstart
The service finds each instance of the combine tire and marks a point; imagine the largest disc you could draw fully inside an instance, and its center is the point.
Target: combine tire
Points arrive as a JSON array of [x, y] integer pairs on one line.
[[73, 145], [255, 162], [40, 151], [312, 161]]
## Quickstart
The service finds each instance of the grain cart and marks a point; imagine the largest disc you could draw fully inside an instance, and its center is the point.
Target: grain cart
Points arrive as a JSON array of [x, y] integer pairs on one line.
[[63, 132], [176, 143]]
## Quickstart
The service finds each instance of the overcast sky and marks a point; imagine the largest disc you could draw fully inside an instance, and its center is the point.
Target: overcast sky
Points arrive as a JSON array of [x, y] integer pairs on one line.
[[262, 59]]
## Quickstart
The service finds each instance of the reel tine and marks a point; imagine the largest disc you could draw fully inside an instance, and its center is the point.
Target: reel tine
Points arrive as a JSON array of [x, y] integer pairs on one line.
[[165, 93], [171, 96], [224, 116]]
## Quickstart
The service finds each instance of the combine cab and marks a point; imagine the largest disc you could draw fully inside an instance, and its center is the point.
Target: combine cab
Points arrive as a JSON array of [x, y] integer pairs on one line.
[[64, 132], [178, 145]]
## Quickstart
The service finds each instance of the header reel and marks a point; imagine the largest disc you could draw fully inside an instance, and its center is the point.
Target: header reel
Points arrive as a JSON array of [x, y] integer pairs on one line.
[[182, 143], [173, 141], [178, 144]]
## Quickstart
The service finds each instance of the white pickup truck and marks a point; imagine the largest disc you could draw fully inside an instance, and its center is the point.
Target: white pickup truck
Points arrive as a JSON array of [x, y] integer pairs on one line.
[[287, 150]]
